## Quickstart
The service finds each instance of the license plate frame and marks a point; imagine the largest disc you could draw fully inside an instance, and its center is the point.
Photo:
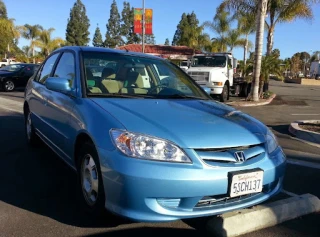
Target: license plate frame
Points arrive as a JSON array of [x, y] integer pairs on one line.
[[247, 175]]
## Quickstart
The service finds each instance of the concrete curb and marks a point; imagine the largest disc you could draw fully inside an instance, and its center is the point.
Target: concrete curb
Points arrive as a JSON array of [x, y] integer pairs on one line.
[[263, 216], [247, 103], [309, 136]]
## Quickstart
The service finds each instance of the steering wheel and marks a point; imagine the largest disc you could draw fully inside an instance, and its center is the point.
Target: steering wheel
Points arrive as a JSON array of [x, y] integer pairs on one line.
[[156, 87]]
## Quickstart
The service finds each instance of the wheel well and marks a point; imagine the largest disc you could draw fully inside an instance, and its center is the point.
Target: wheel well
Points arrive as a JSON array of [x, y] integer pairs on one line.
[[228, 83], [81, 139]]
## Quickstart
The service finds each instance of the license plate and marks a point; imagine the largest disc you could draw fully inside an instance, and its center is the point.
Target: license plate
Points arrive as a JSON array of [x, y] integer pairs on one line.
[[243, 183]]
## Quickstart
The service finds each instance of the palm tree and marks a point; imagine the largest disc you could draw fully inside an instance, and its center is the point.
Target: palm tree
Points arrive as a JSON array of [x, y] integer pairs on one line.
[[46, 43], [220, 25], [281, 11], [247, 26], [32, 33], [233, 39]]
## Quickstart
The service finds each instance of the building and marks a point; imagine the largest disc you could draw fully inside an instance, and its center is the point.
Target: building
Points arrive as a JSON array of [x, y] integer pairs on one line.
[[175, 53]]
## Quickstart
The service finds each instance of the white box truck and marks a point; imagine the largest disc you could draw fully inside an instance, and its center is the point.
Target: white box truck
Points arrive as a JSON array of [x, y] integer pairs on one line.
[[216, 71], [315, 70]]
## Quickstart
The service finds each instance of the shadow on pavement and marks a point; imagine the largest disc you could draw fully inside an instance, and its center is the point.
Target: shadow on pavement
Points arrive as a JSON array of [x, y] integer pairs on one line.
[[36, 180]]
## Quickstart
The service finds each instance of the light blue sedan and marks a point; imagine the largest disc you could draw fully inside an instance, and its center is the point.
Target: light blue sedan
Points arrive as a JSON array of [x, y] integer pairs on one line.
[[146, 141]]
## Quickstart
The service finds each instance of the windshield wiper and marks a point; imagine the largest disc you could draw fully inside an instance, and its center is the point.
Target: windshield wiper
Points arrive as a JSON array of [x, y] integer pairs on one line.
[[116, 95], [183, 96]]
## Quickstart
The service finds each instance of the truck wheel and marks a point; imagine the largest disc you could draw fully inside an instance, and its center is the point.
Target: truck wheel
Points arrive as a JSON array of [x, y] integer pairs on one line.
[[9, 85], [224, 96]]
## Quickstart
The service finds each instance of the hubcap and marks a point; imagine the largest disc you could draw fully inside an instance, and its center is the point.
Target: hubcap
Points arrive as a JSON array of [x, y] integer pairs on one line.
[[29, 126], [9, 85], [89, 179]]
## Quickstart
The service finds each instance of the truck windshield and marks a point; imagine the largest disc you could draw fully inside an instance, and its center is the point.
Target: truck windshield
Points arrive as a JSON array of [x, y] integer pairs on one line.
[[209, 61]]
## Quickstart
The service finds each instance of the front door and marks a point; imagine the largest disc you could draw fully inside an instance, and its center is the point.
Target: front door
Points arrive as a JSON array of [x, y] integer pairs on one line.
[[59, 106]]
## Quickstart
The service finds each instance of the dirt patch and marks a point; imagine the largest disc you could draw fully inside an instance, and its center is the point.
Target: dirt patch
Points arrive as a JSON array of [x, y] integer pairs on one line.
[[310, 127]]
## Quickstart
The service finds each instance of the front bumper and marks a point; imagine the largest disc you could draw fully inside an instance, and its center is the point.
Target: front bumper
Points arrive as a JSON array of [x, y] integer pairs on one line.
[[152, 191]]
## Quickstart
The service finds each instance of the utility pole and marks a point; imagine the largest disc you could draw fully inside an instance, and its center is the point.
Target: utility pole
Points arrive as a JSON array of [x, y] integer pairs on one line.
[[143, 25]]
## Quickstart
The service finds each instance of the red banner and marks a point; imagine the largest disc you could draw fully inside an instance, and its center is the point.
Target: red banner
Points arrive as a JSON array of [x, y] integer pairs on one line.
[[148, 22], [137, 22]]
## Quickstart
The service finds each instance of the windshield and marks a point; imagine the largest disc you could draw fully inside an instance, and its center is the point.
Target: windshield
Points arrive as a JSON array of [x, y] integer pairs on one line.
[[12, 68], [132, 76], [184, 64], [209, 61]]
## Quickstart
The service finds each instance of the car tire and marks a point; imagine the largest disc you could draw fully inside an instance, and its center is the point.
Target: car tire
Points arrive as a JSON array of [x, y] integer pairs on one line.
[[31, 136], [90, 187], [8, 85], [224, 96]]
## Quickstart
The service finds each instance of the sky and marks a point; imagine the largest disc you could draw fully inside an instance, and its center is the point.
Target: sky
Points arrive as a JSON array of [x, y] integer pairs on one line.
[[296, 36]]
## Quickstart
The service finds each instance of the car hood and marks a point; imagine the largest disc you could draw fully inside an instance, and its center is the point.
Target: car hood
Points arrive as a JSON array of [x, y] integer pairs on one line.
[[188, 123]]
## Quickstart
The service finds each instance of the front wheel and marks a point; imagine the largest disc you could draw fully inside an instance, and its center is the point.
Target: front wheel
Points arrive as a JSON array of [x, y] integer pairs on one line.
[[224, 96], [90, 185], [9, 85], [32, 137]]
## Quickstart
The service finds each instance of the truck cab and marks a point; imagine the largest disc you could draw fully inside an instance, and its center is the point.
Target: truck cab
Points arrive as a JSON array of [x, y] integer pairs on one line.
[[214, 70]]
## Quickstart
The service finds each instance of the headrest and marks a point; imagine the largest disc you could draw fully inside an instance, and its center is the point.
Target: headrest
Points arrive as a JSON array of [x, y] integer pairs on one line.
[[89, 74], [106, 72]]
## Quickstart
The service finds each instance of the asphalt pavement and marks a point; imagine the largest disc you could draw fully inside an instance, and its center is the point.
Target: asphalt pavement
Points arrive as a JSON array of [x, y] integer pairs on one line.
[[37, 196]]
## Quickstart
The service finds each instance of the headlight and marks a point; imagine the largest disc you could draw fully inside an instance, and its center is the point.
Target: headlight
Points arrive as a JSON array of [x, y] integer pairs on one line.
[[272, 143], [146, 147]]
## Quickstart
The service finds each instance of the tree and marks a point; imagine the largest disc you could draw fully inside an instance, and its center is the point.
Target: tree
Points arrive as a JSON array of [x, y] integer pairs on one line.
[[282, 11], [189, 33], [77, 32], [32, 33], [220, 25], [97, 38], [167, 42], [46, 43], [259, 9], [126, 28], [262, 8], [3, 10], [150, 39], [113, 36], [247, 26], [181, 27]]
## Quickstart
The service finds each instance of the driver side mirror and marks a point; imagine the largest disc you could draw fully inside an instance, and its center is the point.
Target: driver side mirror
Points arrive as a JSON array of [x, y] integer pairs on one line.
[[58, 84]]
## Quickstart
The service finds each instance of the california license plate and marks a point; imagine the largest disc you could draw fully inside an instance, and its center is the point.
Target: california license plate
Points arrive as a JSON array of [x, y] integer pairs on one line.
[[245, 182]]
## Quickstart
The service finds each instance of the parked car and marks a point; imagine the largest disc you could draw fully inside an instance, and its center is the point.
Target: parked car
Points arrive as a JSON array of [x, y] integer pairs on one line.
[[16, 75], [158, 153], [7, 61]]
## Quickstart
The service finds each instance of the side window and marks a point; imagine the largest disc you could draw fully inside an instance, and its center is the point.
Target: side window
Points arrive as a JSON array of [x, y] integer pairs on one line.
[[46, 69], [28, 71], [66, 67], [229, 63]]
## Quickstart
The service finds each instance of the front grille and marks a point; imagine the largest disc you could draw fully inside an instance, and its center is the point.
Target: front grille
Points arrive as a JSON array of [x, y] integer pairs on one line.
[[220, 156], [199, 76], [210, 201]]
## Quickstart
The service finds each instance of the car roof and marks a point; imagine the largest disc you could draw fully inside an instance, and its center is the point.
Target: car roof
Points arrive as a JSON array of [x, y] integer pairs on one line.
[[106, 50], [26, 64]]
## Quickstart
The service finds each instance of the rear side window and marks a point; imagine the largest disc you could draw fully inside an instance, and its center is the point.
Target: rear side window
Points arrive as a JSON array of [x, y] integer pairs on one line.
[[46, 69]]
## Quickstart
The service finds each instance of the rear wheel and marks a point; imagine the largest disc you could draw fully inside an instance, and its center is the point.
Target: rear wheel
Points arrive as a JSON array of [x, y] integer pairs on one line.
[[90, 185], [224, 96], [9, 85]]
